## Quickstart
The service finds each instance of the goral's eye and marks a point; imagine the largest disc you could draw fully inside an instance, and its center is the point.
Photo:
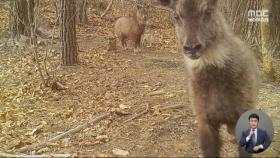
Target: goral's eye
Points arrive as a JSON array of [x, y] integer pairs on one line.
[[176, 16], [209, 12]]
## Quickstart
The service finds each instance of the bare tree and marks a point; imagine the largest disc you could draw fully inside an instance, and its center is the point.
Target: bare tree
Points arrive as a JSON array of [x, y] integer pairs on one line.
[[69, 54], [263, 37], [21, 17], [237, 15]]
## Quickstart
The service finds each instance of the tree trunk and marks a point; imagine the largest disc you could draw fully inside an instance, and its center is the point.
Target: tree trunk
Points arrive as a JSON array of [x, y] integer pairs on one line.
[[20, 22], [274, 23], [69, 54], [266, 47], [82, 6]]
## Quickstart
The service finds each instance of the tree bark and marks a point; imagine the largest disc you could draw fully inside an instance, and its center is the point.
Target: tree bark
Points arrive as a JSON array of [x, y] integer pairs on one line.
[[69, 54], [20, 22], [274, 23], [266, 47]]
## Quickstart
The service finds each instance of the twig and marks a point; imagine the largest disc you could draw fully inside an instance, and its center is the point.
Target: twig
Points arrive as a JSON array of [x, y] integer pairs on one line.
[[48, 50], [162, 8], [159, 92], [35, 156], [63, 135], [32, 39], [107, 9], [163, 108], [58, 86], [140, 114]]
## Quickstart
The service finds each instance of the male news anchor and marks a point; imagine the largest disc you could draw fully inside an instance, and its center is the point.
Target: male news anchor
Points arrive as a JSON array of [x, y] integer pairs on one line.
[[254, 139]]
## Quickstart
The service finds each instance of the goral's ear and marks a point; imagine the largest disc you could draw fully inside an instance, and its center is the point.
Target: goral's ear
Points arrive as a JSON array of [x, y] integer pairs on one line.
[[166, 3]]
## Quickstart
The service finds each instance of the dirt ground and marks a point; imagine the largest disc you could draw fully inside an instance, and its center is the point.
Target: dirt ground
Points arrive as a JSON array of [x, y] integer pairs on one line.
[[125, 80]]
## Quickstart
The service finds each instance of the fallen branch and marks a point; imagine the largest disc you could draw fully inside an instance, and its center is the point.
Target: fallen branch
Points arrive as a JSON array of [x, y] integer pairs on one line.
[[163, 108], [63, 135], [140, 114], [161, 8], [35, 156], [159, 92], [58, 86]]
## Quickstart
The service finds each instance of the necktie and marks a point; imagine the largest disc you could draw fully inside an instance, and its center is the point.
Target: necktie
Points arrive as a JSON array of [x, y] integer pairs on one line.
[[254, 138]]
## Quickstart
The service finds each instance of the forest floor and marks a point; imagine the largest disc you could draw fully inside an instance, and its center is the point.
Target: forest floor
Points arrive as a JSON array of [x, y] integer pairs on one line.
[[121, 80]]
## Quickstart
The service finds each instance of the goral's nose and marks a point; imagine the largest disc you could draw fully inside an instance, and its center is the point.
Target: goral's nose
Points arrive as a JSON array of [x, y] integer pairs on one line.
[[192, 48]]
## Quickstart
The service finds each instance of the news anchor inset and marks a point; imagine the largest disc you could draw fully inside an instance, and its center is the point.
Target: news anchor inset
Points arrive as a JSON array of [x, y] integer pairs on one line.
[[254, 139]]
